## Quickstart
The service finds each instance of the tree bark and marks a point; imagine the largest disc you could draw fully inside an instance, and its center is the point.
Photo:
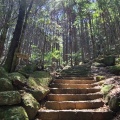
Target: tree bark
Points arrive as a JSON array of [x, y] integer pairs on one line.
[[5, 29], [16, 38]]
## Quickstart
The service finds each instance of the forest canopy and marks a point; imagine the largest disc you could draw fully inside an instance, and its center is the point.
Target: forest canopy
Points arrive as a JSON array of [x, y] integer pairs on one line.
[[62, 31]]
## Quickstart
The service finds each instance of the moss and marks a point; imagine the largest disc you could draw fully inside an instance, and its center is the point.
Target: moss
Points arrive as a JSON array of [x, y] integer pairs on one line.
[[29, 100], [40, 74], [99, 78], [30, 104], [17, 76], [108, 60], [28, 69], [5, 84], [40, 78], [106, 89], [13, 113], [81, 70], [10, 98], [115, 69], [36, 84], [39, 94], [3, 73], [39, 91], [114, 103]]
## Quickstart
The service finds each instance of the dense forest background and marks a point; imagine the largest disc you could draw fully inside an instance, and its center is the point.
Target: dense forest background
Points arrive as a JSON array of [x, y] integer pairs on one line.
[[62, 31]]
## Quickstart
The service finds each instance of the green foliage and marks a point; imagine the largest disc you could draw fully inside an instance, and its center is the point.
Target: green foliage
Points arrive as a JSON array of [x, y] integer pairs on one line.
[[35, 54], [55, 54]]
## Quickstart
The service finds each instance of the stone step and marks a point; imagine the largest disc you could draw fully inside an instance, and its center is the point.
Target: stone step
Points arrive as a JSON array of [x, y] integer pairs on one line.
[[73, 91], [74, 81], [78, 86], [73, 97], [70, 75], [55, 105], [74, 115], [77, 78]]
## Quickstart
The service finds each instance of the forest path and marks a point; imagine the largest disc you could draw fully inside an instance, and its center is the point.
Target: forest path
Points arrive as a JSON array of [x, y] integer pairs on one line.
[[74, 98]]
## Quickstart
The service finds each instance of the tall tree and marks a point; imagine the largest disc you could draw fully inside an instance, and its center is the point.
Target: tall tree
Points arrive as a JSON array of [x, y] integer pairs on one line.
[[16, 38]]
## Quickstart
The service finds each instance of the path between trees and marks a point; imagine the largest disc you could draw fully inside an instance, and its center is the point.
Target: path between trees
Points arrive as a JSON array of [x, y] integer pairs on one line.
[[75, 98]]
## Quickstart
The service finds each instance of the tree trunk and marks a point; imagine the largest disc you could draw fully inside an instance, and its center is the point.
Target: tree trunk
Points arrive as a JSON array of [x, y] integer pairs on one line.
[[9, 63], [5, 29]]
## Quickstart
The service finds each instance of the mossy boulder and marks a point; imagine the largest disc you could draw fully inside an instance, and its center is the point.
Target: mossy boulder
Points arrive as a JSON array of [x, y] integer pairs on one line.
[[10, 98], [106, 89], [114, 103], [100, 78], [39, 91], [41, 78], [17, 76], [30, 104], [109, 60], [5, 85], [13, 113], [77, 71], [115, 69], [28, 69], [3, 73]]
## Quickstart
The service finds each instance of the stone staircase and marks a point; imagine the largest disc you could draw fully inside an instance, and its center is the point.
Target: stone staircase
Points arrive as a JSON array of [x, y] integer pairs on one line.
[[74, 98]]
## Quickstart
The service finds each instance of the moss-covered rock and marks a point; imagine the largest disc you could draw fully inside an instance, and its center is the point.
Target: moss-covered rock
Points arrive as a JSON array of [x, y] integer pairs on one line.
[[115, 69], [3, 73], [77, 71], [10, 98], [39, 91], [5, 84], [109, 60], [114, 103], [106, 89], [28, 69], [41, 78], [39, 94], [17, 76], [13, 113], [100, 78], [30, 104]]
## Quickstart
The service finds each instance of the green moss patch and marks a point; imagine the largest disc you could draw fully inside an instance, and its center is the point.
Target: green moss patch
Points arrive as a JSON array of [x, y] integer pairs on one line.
[[30, 104], [17, 76], [10, 98], [99, 78], [106, 89], [40, 78], [3, 73], [5, 84], [13, 113]]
